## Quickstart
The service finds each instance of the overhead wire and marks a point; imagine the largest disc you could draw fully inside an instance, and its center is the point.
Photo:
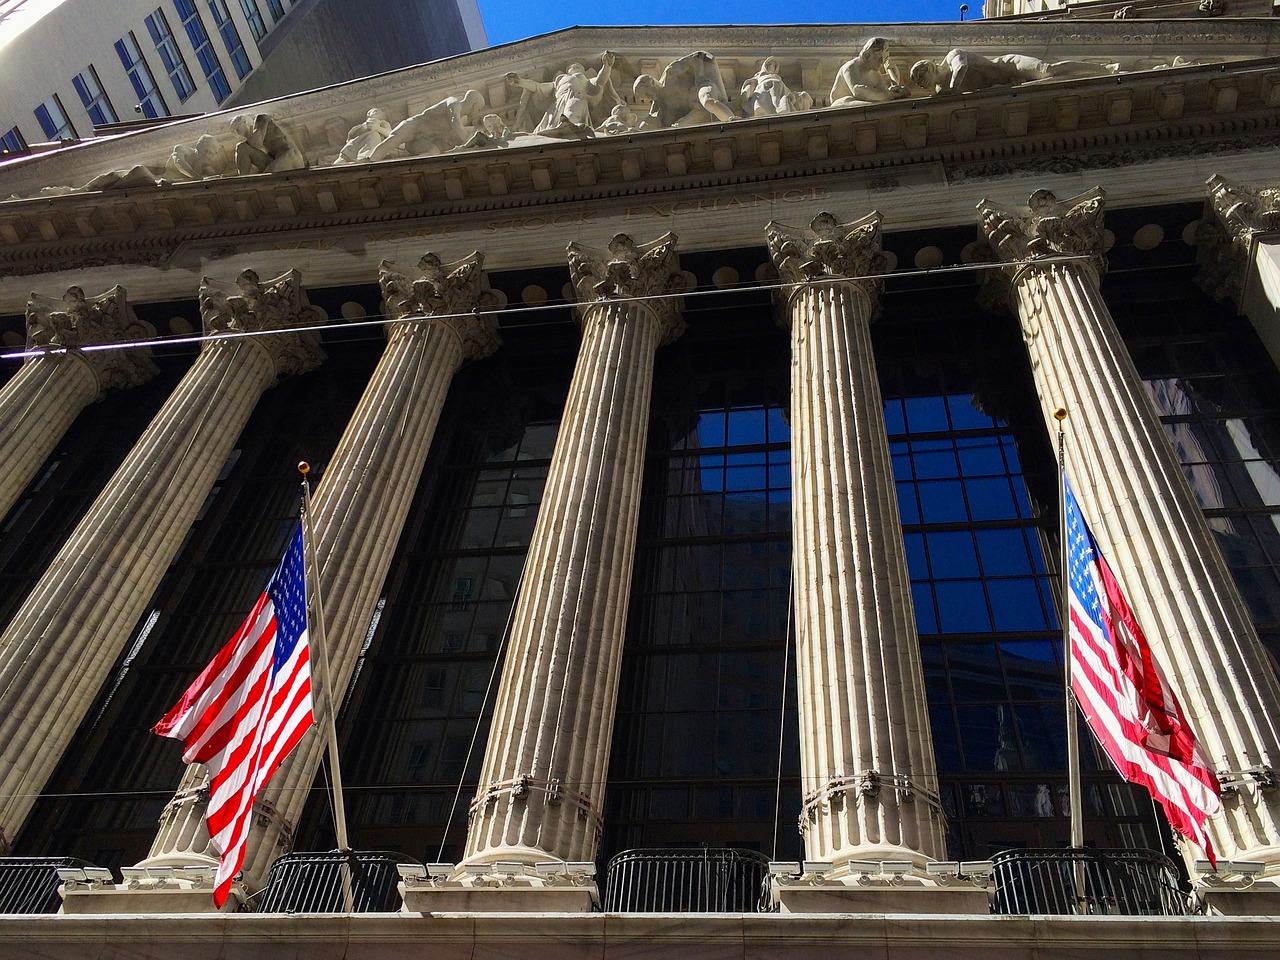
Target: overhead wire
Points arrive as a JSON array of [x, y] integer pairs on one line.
[[381, 320]]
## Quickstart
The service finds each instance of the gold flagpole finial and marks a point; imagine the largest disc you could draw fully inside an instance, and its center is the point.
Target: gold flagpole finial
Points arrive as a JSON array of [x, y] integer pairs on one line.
[[1059, 414], [304, 468]]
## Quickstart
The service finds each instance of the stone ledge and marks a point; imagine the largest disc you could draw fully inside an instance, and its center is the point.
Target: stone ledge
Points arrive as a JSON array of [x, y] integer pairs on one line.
[[881, 898], [173, 897], [455, 898], [1261, 899]]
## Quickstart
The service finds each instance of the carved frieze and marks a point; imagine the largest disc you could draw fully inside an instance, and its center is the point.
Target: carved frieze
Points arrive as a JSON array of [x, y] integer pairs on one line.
[[1225, 239], [251, 306], [1051, 228], [629, 270], [458, 291], [75, 321], [828, 250]]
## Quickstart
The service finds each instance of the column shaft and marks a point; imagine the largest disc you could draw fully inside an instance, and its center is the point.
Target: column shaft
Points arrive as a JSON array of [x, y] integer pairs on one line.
[[36, 408], [361, 506], [544, 771], [1137, 500], [44, 398], [1146, 518], [60, 646], [870, 787], [866, 749]]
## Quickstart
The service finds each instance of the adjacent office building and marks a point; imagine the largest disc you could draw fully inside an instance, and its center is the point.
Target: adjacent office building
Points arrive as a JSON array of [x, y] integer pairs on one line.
[[73, 70]]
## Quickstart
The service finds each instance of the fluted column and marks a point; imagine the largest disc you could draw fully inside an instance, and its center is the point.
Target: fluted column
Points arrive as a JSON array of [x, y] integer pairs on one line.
[[866, 754], [1239, 254], [43, 399], [542, 783], [60, 646], [1146, 519], [360, 508]]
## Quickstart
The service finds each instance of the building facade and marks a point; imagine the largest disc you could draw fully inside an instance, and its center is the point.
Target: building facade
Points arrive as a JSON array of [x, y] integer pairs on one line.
[[682, 403], [68, 69]]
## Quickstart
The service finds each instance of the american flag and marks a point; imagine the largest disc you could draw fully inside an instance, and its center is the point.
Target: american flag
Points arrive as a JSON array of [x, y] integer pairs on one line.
[[1124, 695], [248, 709]]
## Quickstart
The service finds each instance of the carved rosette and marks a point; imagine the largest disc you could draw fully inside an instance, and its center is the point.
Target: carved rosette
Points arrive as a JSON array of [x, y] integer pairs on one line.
[[1052, 229], [1234, 216], [76, 321], [458, 293], [628, 270], [828, 250], [252, 306]]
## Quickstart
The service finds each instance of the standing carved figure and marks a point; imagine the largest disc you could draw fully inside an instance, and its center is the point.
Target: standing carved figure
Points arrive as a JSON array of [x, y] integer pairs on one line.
[[767, 94], [690, 91], [440, 127], [568, 99], [264, 147], [870, 77]]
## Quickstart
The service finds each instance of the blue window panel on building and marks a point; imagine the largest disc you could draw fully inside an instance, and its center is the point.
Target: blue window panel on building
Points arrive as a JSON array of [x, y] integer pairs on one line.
[[150, 101], [254, 18], [94, 98], [170, 56], [199, 38], [53, 120], [12, 142], [230, 37]]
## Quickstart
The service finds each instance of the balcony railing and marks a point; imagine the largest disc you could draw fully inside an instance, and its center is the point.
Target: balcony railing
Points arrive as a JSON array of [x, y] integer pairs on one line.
[[31, 884], [316, 882], [1123, 882], [685, 881]]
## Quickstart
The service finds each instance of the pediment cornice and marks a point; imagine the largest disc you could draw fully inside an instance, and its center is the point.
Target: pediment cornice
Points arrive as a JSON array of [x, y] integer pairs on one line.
[[1036, 127], [318, 120]]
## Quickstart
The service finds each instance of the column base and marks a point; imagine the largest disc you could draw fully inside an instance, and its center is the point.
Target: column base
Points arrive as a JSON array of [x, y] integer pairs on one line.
[[1258, 899], [455, 897], [172, 896], [879, 897]]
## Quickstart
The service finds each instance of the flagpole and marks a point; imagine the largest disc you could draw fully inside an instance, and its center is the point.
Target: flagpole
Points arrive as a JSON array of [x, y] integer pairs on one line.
[[320, 643], [1073, 726]]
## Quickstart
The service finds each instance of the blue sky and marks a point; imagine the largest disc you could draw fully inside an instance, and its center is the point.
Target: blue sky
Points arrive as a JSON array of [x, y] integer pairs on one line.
[[507, 20]]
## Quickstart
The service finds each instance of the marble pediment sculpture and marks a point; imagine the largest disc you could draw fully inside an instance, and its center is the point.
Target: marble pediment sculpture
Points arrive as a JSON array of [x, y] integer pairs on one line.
[[628, 93]]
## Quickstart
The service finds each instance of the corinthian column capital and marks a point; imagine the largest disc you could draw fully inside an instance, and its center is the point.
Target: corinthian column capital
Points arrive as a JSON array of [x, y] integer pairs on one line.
[[75, 321], [456, 292], [1051, 228], [1236, 214], [829, 249], [250, 305], [630, 270]]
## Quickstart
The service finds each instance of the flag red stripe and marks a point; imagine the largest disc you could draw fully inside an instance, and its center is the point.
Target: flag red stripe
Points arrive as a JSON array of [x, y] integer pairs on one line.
[[242, 715], [1123, 694]]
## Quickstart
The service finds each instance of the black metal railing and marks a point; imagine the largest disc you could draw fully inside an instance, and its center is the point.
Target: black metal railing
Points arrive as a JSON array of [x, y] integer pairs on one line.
[[31, 884], [1123, 882], [316, 882], [685, 881]]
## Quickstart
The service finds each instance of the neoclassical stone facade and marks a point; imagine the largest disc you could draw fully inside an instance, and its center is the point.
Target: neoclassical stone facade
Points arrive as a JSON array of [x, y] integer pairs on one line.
[[608, 559]]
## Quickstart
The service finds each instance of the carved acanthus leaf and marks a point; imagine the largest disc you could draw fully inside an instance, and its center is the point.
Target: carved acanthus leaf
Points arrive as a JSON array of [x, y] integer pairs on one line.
[[1053, 228], [250, 305], [829, 249], [75, 321], [1236, 214], [459, 291], [630, 270]]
